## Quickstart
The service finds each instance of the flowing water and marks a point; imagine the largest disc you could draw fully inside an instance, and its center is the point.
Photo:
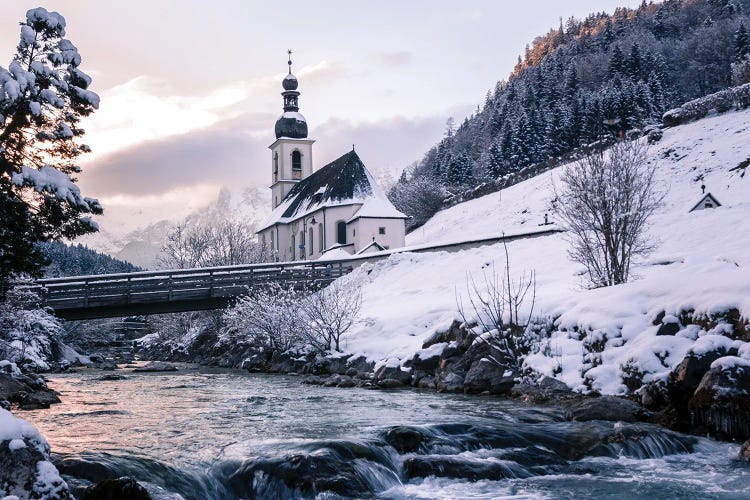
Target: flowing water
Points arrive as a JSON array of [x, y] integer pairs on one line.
[[205, 434]]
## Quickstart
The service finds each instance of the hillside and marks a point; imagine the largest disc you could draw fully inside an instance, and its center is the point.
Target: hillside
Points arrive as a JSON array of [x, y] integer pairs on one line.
[[591, 78], [701, 263]]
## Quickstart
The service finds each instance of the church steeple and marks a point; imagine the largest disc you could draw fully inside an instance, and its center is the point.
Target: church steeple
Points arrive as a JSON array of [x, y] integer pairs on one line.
[[291, 124]]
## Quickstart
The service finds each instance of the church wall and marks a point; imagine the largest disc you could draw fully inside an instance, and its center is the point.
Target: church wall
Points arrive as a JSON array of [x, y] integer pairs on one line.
[[366, 228]]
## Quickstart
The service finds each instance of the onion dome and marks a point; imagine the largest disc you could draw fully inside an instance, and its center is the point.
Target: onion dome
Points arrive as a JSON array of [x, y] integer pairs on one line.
[[290, 82], [291, 125]]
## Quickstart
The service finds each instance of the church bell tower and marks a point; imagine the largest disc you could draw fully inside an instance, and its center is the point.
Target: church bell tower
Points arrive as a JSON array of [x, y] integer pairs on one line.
[[291, 153]]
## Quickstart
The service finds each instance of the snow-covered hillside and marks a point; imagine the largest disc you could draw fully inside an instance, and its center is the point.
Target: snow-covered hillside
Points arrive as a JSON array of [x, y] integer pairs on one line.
[[702, 262]]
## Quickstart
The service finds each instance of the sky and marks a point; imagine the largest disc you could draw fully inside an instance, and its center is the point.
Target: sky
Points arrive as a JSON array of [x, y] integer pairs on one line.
[[190, 90]]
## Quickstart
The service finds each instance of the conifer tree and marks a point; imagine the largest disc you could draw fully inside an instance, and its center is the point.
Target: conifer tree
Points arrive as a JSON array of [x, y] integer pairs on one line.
[[43, 97], [741, 42]]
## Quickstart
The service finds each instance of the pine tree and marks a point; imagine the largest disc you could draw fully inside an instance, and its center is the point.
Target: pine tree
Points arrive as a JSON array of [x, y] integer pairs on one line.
[[43, 96], [741, 42], [616, 62]]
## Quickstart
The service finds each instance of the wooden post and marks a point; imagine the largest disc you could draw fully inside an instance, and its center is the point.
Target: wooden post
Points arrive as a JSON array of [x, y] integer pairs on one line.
[[169, 291], [86, 293], [127, 296], [210, 284]]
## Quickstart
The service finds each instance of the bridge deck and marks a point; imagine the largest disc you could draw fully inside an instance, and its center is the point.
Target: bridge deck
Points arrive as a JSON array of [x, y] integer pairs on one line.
[[151, 292]]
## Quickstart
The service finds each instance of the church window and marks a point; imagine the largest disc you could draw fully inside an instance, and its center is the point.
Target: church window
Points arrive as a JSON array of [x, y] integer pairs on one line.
[[296, 164], [310, 241], [341, 233], [302, 245], [275, 166], [294, 249], [273, 247], [381, 230], [321, 241]]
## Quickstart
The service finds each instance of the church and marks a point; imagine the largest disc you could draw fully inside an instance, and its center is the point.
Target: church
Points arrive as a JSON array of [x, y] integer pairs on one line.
[[337, 207]]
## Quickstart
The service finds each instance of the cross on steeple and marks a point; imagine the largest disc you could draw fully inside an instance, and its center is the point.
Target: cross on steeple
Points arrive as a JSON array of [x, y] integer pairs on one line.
[[290, 60]]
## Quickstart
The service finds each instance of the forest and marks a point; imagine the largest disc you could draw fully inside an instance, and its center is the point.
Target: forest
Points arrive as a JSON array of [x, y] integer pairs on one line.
[[585, 80]]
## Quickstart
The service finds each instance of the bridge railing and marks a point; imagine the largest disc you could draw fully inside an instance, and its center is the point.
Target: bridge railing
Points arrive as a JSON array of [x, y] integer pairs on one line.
[[179, 285]]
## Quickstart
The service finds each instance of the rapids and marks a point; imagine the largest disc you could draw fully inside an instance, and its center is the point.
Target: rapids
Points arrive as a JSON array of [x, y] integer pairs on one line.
[[218, 434]]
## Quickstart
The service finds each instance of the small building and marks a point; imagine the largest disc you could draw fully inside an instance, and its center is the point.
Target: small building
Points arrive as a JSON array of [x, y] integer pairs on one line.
[[708, 201], [339, 206]]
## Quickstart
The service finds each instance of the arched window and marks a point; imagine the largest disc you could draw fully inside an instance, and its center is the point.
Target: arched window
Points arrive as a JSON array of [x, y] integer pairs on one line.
[[294, 250], [273, 243], [321, 241], [275, 166], [310, 241], [296, 164], [341, 232], [303, 248]]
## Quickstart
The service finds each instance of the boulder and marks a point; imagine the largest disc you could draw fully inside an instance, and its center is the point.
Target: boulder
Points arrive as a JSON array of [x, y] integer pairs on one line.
[[112, 376], [287, 362], [156, 366], [745, 452], [427, 382], [122, 488], [609, 408], [551, 384], [450, 381], [360, 364], [721, 403], [346, 382], [255, 363], [313, 380], [405, 439], [451, 334], [390, 383], [485, 375], [427, 360], [25, 469], [394, 372]]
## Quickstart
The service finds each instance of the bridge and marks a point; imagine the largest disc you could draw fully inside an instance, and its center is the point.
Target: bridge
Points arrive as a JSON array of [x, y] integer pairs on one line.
[[169, 291], [157, 292]]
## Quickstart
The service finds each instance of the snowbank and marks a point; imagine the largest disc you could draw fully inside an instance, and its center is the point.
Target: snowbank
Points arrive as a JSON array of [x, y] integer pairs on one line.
[[602, 336]]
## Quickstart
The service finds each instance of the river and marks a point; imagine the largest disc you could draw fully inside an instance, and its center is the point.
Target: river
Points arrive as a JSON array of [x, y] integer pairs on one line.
[[207, 433]]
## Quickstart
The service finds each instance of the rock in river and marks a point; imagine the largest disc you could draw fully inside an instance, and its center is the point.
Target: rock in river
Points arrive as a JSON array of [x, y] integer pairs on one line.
[[156, 366]]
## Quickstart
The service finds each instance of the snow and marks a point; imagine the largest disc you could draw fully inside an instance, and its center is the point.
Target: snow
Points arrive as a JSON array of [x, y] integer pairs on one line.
[[335, 254], [28, 35], [294, 114], [710, 343], [700, 263], [12, 428], [56, 183], [51, 20], [728, 362]]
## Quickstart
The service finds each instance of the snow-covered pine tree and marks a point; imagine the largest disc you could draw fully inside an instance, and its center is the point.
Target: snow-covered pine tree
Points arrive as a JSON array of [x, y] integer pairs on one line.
[[43, 96], [741, 42]]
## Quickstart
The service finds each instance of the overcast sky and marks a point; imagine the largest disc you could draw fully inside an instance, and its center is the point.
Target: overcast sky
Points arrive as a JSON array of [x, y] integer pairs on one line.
[[190, 89]]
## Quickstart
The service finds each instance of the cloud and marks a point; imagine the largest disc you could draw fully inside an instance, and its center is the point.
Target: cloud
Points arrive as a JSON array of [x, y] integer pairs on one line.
[[222, 154], [395, 58]]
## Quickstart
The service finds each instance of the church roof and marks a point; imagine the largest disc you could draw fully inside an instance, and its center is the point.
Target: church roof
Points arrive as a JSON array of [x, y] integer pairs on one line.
[[344, 181]]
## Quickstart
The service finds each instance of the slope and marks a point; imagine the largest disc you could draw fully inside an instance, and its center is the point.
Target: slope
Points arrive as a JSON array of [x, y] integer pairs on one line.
[[701, 263]]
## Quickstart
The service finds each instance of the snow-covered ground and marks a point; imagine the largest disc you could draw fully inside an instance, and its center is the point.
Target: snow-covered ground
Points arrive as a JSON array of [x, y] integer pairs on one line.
[[702, 262]]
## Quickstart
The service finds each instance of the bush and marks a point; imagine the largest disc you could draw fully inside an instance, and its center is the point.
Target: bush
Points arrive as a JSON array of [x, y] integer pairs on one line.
[[28, 333]]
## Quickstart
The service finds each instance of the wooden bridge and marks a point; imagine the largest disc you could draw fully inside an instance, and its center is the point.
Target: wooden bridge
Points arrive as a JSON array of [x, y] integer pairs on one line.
[[155, 292]]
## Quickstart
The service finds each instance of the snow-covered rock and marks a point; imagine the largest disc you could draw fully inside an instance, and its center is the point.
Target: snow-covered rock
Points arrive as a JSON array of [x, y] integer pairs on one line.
[[25, 469]]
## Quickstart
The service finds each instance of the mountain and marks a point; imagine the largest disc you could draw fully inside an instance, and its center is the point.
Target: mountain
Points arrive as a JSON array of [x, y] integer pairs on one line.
[[588, 79], [142, 246]]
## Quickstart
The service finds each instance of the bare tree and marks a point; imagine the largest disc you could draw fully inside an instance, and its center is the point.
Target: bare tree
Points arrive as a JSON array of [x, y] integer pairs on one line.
[[496, 303], [330, 313], [220, 243], [268, 317], [605, 202]]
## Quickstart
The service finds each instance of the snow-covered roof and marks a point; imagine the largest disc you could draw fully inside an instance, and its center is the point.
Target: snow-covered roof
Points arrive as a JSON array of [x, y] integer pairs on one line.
[[344, 181], [374, 246], [706, 197]]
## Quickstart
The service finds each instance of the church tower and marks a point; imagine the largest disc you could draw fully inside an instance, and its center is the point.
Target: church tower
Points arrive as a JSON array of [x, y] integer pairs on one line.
[[291, 153]]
